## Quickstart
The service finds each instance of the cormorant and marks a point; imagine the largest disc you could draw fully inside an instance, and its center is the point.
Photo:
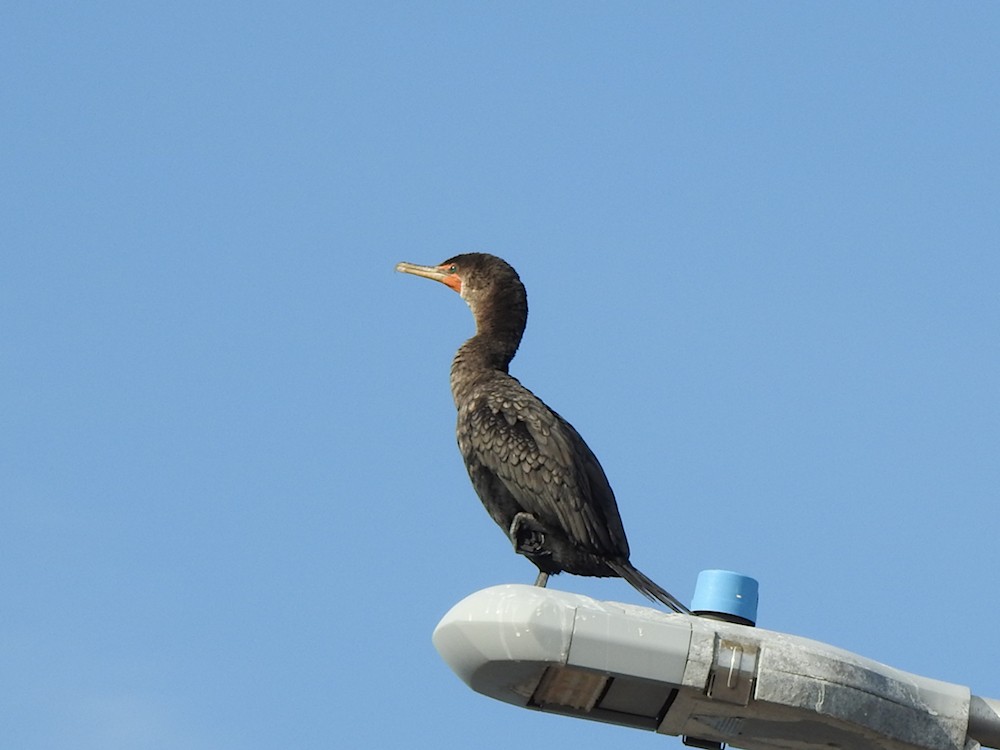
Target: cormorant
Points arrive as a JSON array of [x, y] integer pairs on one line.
[[534, 473]]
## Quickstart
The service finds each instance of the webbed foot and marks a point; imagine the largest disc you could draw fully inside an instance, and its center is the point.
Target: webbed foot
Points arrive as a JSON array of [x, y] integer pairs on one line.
[[527, 535]]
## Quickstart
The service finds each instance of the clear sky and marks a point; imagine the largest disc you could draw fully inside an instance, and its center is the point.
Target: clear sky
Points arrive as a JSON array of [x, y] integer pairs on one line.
[[760, 243]]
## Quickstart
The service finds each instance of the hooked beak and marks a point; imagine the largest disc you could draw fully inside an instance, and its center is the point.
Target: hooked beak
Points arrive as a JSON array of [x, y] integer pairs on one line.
[[437, 273], [428, 272]]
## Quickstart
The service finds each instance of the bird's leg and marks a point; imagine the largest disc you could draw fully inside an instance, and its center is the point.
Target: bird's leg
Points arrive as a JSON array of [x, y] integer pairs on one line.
[[528, 537]]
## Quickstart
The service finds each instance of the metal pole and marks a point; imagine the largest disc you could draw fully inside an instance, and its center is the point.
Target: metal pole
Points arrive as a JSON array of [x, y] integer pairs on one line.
[[984, 721]]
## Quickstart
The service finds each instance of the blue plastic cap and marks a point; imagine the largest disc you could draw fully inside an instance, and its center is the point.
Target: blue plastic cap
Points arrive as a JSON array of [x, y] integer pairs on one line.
[[726, 593]]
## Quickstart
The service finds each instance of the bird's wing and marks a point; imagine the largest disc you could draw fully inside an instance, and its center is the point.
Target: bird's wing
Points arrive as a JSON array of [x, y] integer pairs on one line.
[[547, 467]]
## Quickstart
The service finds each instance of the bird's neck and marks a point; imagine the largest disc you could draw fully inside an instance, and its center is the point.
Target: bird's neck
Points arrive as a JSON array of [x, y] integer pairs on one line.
[[500, 323], [478, 359]]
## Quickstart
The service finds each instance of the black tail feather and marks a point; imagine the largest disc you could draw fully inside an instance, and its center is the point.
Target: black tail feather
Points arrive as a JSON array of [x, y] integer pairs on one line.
[[645, 586]]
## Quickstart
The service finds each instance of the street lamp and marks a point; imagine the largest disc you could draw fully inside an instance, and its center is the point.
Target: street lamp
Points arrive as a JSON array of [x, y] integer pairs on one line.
[[701, 678]]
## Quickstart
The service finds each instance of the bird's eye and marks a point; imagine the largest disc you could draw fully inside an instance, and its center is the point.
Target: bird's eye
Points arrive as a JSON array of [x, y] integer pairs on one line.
[[452, 268]]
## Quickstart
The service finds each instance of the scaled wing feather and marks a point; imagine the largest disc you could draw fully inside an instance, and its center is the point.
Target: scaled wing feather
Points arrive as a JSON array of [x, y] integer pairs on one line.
[[547, 468]]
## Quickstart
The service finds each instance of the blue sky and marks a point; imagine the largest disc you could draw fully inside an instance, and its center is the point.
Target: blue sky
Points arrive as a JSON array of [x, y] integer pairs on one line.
[[760, 247]]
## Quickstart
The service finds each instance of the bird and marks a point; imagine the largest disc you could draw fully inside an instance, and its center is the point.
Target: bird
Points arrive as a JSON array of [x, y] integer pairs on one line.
[[536, 476]]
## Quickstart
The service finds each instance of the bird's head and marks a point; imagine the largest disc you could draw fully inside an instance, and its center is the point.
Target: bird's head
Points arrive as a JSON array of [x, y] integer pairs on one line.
[[487, 283]]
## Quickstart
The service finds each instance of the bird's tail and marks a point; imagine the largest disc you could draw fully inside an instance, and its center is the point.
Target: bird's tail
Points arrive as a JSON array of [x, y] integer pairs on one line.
[[648, 588]]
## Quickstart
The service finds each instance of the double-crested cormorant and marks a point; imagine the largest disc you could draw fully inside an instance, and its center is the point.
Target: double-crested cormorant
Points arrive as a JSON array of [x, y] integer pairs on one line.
[[534, 473]]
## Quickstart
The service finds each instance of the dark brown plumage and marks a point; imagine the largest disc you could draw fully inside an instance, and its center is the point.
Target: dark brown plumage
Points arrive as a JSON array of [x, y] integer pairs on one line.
[[535, 475]]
